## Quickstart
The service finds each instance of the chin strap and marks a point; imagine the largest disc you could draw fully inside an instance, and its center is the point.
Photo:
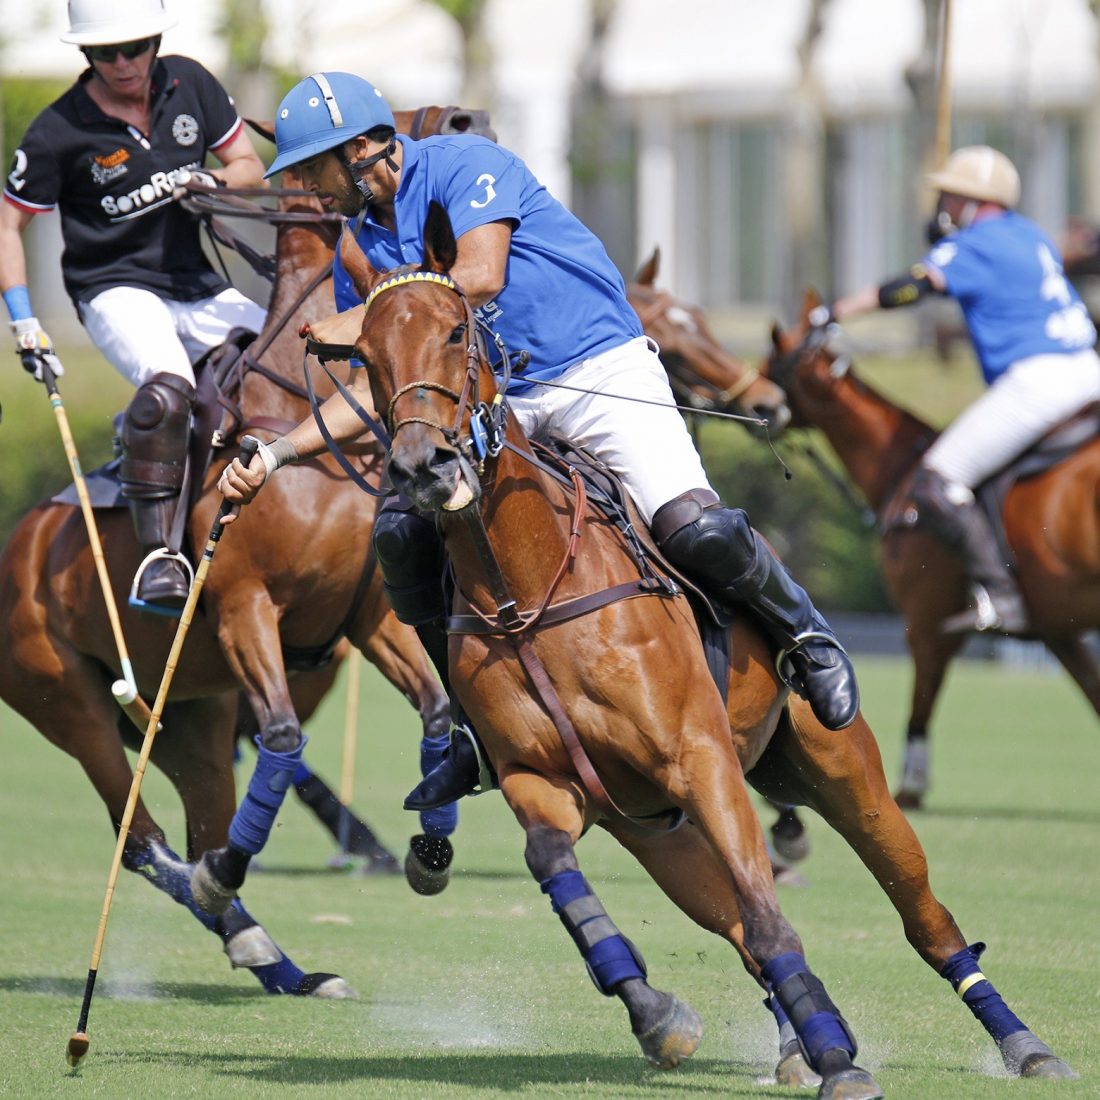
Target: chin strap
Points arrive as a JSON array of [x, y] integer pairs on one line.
[[358, 167]]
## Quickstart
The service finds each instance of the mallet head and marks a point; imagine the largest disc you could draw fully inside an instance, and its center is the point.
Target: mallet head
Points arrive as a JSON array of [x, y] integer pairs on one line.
[[77, 1048]]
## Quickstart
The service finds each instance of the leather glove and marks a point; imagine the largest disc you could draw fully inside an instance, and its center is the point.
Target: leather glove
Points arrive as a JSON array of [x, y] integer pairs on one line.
[[35, 348]]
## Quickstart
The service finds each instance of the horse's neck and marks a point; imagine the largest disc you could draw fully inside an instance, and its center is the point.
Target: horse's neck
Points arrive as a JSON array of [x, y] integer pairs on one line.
[[875, 440], [526, 515]]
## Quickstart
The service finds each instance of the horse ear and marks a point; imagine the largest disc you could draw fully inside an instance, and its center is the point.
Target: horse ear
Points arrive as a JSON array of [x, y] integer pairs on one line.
[[777, 336], [647, 273], [356, 264], [440, 249]]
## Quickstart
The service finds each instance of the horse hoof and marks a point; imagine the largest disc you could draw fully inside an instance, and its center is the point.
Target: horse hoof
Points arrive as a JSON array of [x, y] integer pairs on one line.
[[428, 864], [909, 800], [209, 893], [795, 1072], [250, 947], [1047, 1065], [330, 987], [675, 1038], [850, 1084], [790, 839]]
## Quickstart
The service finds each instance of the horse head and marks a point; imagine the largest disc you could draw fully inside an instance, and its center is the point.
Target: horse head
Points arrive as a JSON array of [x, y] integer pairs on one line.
[[419, 342], [703, 374], [801, 364]]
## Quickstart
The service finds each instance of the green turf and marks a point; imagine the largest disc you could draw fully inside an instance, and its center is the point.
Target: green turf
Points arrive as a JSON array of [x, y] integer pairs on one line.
[[479, 993]]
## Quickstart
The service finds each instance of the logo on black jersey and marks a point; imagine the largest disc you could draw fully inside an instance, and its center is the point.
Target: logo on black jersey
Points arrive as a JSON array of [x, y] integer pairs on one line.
[[145, 196], [109, 167], [185, 130]]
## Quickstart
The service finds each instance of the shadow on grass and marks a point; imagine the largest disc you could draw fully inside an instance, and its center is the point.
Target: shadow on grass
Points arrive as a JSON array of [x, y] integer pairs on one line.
[[1011, 813], [52, 986], [491, 1070]]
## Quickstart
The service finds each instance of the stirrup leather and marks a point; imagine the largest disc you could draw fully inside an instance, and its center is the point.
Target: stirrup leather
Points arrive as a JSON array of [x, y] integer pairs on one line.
[[783, 667]]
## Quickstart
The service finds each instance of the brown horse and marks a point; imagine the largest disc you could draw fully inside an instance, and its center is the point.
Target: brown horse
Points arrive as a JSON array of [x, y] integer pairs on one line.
[[295, 577], [704, 375], [1050, 520], [710, 381], [592, 695]]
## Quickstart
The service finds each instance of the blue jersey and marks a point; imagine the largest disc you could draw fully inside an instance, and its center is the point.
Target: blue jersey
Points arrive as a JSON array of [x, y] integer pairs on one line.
[[563, 300], [1007, 276]]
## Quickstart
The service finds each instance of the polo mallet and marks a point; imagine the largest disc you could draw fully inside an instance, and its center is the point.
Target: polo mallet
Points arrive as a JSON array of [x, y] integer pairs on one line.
[[124, 690], [78, 1041], [943, 91], [347, 755]]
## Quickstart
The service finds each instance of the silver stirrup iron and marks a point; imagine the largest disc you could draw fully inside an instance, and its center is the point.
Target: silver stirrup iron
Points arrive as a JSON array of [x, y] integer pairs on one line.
[[155, 555], [783, 666], [484, 772]]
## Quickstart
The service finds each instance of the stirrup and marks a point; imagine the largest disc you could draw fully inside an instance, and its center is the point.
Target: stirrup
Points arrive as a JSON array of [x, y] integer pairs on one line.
[[137, 602], [486, 780], [783, 667], [984, 615]]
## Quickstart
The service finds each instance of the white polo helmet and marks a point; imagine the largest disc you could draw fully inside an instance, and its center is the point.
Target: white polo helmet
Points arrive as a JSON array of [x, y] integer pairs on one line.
[[105, 22], [979, 172]]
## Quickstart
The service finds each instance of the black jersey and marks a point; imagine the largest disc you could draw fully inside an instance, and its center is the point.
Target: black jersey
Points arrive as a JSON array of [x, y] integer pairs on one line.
[[114, 184]]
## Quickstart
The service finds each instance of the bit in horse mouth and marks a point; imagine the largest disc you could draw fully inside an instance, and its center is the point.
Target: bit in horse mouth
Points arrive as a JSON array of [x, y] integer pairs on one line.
[[462, 496]]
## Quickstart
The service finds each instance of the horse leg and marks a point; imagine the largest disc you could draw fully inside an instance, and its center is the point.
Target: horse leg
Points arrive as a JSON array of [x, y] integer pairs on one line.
[[709, 783], [195, 751], [1077, 659], [248, 631], [932, 651], [842, 778], [688, 870], [549, 812], [354, 836], [398, 653]]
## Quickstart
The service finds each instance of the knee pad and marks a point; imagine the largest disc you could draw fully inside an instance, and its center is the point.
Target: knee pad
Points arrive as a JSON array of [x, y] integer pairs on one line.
[[939, 502], [410, 555], [156, 430], [718, 544]]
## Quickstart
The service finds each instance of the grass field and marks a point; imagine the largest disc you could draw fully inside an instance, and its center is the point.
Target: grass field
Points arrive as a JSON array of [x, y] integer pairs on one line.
[[478, 992]]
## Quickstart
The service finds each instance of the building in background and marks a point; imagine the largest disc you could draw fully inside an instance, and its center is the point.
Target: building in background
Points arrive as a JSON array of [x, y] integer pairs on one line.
[[760, 146]]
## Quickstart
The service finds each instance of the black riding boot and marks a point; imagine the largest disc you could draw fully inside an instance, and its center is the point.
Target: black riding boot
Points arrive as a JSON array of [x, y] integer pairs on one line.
[[951, 514], [716, 545], [410, 555], [155, 433]]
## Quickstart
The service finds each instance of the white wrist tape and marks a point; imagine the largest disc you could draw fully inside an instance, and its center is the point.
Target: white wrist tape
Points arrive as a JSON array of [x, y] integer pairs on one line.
[[271, 463], [277, 454]]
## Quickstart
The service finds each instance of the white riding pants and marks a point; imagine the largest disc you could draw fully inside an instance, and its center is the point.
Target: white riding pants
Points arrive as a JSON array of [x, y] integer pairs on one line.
[[140, 333], [1031, 397], [647, 445]]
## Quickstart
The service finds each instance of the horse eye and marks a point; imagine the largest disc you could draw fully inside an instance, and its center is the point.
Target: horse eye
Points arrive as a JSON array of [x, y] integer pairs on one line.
[[458, 334]]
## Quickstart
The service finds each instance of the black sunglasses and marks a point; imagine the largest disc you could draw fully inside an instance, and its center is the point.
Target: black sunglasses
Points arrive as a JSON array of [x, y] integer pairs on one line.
[[129, 50]]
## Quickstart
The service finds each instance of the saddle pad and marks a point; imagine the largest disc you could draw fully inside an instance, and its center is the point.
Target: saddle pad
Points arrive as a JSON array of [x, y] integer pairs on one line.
[[104, 490]]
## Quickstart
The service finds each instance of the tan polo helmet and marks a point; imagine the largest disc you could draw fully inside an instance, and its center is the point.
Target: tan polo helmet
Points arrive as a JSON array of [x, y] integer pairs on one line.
[[978, 172]]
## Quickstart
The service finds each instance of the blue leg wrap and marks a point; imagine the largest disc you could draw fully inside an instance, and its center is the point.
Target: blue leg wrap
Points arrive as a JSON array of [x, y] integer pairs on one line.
[[302, 773], [802, 998], [977, 992], [167, 872], [255, 816], [280, 977], [443, 820], [610, 957]]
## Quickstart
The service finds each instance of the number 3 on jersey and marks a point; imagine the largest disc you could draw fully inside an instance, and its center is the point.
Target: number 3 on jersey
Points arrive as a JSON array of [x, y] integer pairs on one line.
[[486, 181]]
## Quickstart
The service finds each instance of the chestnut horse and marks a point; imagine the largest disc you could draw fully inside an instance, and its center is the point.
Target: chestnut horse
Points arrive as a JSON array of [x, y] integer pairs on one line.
[[710, 381], [593, 698], [1050, 520], [295, 576]]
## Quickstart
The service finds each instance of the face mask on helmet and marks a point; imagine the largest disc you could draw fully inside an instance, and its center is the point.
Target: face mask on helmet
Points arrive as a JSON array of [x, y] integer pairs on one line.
[[941, 224]]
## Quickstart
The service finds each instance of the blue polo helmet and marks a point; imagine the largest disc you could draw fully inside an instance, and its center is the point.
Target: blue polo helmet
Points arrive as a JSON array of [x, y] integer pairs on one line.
[[322, 112]]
